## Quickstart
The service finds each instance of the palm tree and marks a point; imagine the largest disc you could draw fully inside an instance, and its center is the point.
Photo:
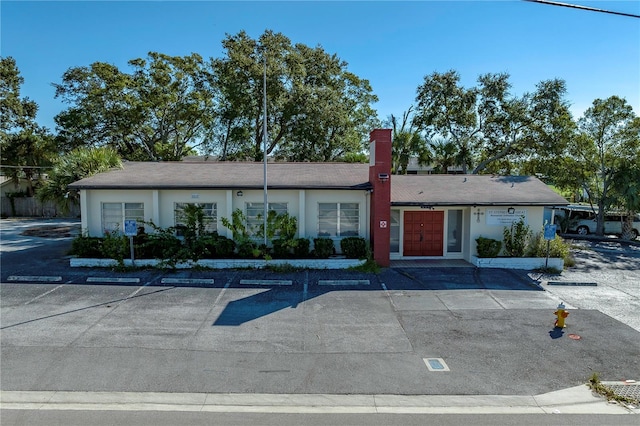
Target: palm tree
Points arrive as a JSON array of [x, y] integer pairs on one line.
[[73, 166], [407, 143], [445, 155]]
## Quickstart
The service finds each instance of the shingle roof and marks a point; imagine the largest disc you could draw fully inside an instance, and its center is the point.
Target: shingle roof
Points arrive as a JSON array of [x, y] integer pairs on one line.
[[229, 175], [480, 190], [407, 190]]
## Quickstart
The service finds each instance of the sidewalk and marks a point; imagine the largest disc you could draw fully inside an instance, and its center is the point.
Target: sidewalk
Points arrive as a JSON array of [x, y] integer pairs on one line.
[[576, 400]]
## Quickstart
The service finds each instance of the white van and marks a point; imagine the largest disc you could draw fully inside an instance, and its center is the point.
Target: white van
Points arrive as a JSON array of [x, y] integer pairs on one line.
[[613, 224]]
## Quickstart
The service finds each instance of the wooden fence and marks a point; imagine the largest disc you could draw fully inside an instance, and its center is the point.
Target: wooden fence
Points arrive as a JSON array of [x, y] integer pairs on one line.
[[32, 207]]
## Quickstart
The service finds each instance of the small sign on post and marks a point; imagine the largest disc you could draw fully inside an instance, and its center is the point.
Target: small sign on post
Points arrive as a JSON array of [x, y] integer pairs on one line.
[[549, 234], [131, 230]]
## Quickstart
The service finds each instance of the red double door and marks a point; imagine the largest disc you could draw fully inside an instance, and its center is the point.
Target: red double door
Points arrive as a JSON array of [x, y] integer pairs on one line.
[[423, 233]]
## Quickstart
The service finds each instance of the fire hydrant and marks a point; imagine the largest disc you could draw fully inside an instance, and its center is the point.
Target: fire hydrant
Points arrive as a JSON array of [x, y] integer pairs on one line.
[[561, 314]]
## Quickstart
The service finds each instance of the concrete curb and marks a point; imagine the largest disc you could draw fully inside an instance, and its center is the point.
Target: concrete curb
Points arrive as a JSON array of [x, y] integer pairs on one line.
[[574, 400], [224, 263]]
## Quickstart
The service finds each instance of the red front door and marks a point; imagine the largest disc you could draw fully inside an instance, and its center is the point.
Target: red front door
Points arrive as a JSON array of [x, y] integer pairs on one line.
[[423, 233]]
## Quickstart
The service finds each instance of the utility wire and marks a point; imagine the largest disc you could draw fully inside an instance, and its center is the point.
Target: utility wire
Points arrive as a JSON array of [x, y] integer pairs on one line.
[[577, 6]]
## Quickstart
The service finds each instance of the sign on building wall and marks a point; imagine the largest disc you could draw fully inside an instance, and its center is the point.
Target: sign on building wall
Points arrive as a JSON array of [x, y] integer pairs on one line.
[[505, 217]]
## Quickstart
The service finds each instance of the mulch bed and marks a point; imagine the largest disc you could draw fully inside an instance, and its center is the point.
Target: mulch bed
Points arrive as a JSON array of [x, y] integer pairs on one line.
[[48, 231]]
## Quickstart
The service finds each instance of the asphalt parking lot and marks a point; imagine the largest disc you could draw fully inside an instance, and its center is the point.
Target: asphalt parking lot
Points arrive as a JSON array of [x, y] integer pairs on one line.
[[405, 331]]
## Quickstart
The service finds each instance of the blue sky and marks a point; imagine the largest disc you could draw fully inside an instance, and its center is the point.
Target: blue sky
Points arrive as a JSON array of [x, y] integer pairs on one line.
[[391, 44]]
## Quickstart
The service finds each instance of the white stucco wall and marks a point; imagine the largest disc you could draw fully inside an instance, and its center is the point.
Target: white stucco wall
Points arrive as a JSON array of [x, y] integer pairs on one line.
[[492, 221], [159, 205], [95, 198]]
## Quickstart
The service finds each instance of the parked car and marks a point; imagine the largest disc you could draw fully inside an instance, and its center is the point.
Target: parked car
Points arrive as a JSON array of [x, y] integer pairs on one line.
[[612, 225], [567, 217]]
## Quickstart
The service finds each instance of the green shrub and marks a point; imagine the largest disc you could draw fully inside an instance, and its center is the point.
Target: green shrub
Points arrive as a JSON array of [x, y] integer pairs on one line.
[[115, 246], [162, 245], [323, 247], [558, 247], [516, 238], [301, 248], [281, 249], [248, 249], [488, 247], [354, 247], [224, 247], [212, 246], [85, 246]]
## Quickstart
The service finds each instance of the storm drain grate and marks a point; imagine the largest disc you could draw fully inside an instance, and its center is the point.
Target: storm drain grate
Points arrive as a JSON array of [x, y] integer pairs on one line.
[[436, 364], [627, 390]]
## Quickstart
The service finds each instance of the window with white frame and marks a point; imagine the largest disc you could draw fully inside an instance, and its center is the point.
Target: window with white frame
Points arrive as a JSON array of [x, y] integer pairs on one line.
[[338, 219], [394, 229], [210, 216], [114, 215], [255, 214]]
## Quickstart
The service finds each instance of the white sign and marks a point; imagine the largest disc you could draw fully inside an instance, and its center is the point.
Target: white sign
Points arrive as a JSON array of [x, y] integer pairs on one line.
[[505, 217]]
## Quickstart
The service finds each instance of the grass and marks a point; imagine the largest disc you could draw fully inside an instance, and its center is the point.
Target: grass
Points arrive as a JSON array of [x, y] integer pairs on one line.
[[370, 266]]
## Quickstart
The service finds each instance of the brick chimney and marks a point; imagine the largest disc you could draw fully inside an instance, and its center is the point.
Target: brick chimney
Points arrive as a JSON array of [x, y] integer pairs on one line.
[[380, 179]]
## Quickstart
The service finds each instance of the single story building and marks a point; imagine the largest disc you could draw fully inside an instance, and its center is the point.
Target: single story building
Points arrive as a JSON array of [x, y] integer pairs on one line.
[[404, 216]]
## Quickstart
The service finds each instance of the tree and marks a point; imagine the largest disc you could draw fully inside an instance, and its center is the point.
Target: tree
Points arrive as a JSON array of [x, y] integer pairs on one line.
[[79, 163], [445, 155], [26, 147], [316, 109], [488, 123], [626, 180], [605, 153], [407, 143], [160, 111]]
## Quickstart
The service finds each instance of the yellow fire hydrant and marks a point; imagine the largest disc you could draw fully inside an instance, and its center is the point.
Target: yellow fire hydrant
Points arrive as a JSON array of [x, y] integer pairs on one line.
[[561, 314]]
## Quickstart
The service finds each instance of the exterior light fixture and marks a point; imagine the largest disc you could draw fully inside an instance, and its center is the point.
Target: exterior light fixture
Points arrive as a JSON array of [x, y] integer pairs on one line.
[[383, 177], [511, 210], [239, 193]]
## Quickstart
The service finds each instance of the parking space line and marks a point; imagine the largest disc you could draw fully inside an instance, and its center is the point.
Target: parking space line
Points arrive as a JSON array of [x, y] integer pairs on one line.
[[43, 294], [266, 282]]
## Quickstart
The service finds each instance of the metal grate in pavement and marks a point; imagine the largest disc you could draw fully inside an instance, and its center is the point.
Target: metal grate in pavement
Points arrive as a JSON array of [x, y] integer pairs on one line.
[[629, 390]]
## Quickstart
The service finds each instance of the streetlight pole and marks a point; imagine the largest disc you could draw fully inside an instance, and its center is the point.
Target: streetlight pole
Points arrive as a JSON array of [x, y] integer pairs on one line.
[[264, 142]]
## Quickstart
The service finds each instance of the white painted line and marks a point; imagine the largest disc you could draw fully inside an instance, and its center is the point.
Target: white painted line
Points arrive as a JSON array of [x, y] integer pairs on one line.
[[34, 278], [187, 281], [436, 364], [343, 282], [266, 282], [44, 294], [112, 280]]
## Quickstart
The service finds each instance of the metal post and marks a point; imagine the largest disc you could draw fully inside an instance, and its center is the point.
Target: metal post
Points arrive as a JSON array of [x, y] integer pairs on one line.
[[131, 246], [264, 139]]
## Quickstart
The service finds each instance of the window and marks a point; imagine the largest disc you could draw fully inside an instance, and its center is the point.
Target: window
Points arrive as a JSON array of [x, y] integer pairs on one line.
[[395, 231], [454, 232], [114, 215], [255, 213], [210, 216], [338, 220]]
